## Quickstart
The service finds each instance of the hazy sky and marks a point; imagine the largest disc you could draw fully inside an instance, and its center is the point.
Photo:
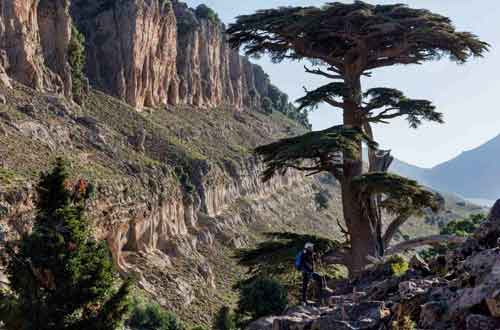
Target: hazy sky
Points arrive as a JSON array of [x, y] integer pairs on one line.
[[466, 94]]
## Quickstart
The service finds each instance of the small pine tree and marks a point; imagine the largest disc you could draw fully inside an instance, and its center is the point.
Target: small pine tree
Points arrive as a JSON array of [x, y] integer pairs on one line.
[[76, 59], [60, 277], [148, 315], [267, 105], [224, 319], [262, 297]]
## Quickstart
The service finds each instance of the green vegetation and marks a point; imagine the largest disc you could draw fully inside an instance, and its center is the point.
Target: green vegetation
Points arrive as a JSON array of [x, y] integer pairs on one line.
[[76, 59], [164, 3], [381, 35], [275, 257], [200, 327], [463, 228], [151, 316], [203, 11], [61, 278], [262, 297], [276, 100], [405, 323], [224, 320], [267, 105], [399, 265], [321, 198]]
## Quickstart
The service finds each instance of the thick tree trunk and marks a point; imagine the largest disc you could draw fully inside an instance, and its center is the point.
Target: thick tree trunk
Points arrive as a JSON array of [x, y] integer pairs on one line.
[[364, 239], [361, 214]]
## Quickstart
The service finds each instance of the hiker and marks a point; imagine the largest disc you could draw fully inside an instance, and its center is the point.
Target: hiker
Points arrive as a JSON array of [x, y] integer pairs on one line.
[[304, 262]]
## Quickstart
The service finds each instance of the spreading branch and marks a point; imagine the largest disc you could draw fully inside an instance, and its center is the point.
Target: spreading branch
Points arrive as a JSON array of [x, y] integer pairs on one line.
[[400, 195], [378, 35], [322, 73], [326, 93], [423, 241], [394, 104], [318, 150]]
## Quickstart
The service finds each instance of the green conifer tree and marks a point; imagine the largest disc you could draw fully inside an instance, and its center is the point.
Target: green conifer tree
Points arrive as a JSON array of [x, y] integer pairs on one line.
[[345, 42], [60, 277]]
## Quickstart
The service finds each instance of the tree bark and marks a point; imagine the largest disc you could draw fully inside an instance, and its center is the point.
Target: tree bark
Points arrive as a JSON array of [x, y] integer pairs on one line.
[[394, 226], [361, 214]]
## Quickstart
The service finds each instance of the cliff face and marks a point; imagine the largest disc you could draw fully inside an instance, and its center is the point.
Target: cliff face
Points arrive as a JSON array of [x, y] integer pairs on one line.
[[146, 52], [131, 49], [34, 38], [211, 73], [153, 53]]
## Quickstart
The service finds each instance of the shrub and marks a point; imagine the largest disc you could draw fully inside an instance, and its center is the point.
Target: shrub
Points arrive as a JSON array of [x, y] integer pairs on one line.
[[275, 257], [398, 265], [262, 297], [321, 199], [224, 319], [203, 11], [267, 105], [405, 323], [76, 59], [151, 316], [200, 327], [463, 228]]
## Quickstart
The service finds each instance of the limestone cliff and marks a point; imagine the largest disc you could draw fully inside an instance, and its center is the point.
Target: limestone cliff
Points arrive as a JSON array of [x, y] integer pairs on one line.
[[34, 38], [149, 53], [131, 48], [152, 53]]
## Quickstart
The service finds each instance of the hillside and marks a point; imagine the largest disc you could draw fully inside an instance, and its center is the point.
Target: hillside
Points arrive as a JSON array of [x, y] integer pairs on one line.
[[148, 103], [164, 130], [175, 190], [471, 174]]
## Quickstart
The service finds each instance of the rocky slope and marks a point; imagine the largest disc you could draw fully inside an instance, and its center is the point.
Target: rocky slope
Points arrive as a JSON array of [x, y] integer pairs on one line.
[[177, 187], [176, 191], [459, 291]]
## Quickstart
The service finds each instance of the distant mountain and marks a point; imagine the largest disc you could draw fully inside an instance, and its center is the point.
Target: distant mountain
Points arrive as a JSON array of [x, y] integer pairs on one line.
[[474, 174], [410, 171]]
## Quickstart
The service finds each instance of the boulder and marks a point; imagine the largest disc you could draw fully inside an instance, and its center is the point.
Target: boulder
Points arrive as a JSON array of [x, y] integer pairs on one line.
[[409, 289], [481, 322], [430, 314], [418, 264], [348, 316], [493, 303]]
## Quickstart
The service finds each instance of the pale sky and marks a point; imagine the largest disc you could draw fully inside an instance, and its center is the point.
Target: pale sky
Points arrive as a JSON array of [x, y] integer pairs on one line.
[[466, 94]]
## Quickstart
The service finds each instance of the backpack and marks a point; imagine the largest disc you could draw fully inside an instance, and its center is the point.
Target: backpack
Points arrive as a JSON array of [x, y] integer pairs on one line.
[[298, 260]]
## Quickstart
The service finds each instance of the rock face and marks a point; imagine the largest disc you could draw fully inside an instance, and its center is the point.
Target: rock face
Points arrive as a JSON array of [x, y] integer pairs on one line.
[[148, 53], [211, 73], [152, 53], [131, 49], [34, 38]]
